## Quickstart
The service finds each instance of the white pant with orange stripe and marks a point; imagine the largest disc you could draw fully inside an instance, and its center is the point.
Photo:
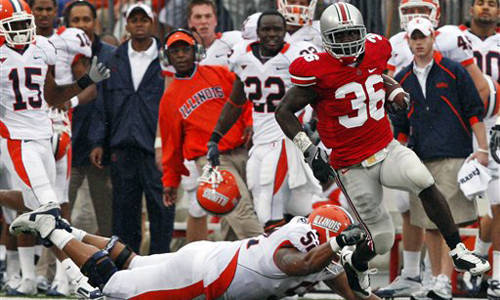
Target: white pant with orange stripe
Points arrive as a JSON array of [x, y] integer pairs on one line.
[[8, 214], [61, 147], [199, 270], [32, 169], [280, 181]]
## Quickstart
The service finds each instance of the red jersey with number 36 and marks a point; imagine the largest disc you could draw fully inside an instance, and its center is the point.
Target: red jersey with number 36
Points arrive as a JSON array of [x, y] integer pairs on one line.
[[350, 106]]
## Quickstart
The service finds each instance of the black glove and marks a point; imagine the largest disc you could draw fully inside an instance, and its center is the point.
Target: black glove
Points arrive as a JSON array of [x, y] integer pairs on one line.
[[318, 160], [213, 153], [352, 235], [310, 129], [495, 142]]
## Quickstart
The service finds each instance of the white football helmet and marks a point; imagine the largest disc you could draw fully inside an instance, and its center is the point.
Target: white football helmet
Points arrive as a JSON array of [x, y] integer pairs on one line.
[[297, 15], [406, 15], [17, 25], [342, 17]]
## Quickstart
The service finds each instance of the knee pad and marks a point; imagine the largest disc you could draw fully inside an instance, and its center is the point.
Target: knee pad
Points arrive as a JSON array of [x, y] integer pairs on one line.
[[382, 233], [99, 268], [121, 259]]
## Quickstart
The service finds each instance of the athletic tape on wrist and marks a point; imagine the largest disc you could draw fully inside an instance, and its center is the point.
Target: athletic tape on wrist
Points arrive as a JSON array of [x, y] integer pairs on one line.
[[74, 101], [394, 93], [302, 141], [157, 142]]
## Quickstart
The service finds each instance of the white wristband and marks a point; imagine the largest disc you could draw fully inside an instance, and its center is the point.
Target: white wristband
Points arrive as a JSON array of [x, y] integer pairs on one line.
[[483, 150], [302, 141], [394, 93], [157, 142], [74, 101], [335, 246], [498, 121]]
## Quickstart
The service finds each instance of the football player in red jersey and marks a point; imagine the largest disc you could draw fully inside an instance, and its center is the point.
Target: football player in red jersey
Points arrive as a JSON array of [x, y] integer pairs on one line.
[[345, 86]]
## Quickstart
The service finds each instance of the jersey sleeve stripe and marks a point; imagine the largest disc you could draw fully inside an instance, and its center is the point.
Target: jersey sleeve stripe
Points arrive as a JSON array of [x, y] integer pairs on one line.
[[303, 81], [467, 62]]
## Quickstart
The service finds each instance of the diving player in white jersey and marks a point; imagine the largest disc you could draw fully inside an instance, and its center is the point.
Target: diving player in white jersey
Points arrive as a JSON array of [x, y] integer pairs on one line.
[[453, 44], [288, 261], [27, 87], [484, 36], [280, 181]]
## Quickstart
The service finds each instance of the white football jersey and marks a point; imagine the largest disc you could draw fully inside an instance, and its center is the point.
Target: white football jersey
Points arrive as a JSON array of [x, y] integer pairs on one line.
[[265, 85], [217, 54], [23, 110], [257, 275], [307, 33], [70, 43], [450, 41], [486, 52]]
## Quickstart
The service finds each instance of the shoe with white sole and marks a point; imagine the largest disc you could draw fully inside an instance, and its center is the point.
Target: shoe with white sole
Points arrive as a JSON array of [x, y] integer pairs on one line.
[[58, 288], [402, 286], [83, 290], [41, 221], [26, 288], [467, 261], [42, 284]]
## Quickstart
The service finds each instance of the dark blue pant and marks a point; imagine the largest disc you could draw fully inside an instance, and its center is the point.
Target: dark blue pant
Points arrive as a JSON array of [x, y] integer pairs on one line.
[[133, 171]]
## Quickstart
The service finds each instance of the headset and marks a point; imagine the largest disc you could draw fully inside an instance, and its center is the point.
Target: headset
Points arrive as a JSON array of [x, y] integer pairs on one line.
[[199, 50]]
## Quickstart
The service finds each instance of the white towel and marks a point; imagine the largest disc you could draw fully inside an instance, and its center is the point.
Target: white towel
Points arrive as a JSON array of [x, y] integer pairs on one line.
[[473, 178]]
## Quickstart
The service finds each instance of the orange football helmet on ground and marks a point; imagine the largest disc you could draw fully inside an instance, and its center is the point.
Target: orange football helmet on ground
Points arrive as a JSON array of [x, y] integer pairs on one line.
[[17, 25], [217, 192], [329, 221]]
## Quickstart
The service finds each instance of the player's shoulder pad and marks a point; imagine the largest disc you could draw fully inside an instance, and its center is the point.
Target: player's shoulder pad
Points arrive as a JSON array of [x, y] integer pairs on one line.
[[77, 42], [315, 24], [237, 52], [303, 70], [378, 46], [231, 38], [47, 48], [301, 48], [299, 231], [397, 38]]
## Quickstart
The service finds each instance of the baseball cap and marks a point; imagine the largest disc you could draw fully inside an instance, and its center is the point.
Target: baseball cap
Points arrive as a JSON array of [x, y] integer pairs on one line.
[[140, 6], [180, 36], [422, 24]]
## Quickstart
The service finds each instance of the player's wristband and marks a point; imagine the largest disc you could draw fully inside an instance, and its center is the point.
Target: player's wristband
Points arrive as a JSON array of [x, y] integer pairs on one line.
[[394, 93], [302, 141], [482, 150], [74, 101], [498, 121], [157, 142], [216, 136], [84, 81], [334, 245]]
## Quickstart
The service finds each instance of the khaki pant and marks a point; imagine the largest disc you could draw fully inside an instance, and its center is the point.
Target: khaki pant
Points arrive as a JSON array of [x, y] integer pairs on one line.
[[445, 173], [242, 221], [100, 189]]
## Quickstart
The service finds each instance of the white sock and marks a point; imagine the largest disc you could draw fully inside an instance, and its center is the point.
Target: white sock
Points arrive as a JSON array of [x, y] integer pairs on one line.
[[72, 270], [482, 247], [60, 272], [78, 233], [427, 261], [496, 265], [411, 264], [13, 266], [27, 261], [3, 252], [60, 238]]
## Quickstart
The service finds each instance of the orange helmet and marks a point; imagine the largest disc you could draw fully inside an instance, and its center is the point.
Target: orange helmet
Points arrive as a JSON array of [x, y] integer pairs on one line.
[[17, 25], [406, 15], [217, 192], [297, 15], [329, 221]]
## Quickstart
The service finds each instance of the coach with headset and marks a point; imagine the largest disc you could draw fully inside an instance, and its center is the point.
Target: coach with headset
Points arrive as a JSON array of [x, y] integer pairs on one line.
[[128, 120], [189, 110]]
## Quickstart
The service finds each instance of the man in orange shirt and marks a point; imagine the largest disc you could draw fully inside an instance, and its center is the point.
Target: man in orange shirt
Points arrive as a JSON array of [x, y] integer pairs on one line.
[[189, 110]]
